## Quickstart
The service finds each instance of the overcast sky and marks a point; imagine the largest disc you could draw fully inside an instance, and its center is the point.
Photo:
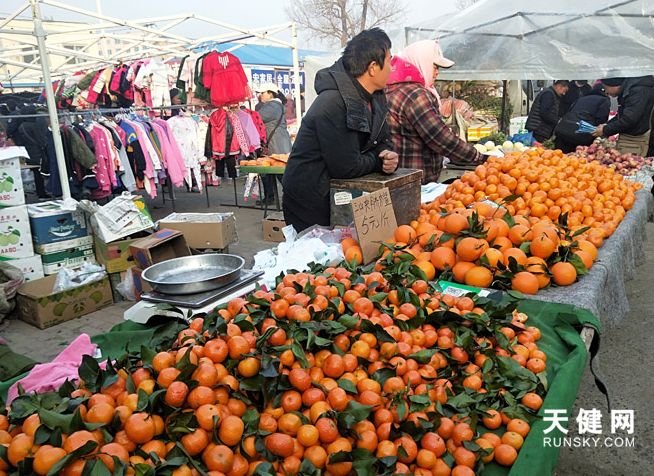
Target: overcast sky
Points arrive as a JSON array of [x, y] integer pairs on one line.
[[244, 13]]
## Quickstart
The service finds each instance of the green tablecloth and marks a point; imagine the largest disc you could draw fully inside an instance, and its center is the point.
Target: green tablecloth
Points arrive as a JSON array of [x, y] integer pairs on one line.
[[260, 169], [566, 358]]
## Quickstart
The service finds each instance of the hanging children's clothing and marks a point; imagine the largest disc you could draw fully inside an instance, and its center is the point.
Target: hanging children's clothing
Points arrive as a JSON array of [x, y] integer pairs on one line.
[[186, 132], [223, 75]]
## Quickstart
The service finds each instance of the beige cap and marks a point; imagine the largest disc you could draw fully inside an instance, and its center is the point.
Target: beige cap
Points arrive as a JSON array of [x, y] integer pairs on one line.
[[263, 87]]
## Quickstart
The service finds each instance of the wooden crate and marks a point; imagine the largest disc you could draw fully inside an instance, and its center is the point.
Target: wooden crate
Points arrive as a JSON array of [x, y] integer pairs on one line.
[[404, 187]]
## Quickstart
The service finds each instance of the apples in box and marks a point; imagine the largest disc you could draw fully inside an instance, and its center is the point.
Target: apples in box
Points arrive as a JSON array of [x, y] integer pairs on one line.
[[15, 234], [11, 180], [40, 306]]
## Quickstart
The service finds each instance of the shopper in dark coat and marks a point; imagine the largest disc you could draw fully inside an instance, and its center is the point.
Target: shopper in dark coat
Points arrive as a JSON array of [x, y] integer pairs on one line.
[[578, 89], [593, 108], [344, 133], [634, 119], [544, 113]]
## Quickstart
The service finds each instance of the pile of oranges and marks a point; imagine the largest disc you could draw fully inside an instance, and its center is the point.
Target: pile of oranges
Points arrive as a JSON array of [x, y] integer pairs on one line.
[[520, 222], [546, 184], [328, 373]]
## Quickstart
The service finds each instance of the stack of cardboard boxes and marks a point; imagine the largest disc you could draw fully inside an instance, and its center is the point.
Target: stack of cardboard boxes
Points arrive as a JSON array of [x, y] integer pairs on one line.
[[15, 235], [112, 242], [60, 235]]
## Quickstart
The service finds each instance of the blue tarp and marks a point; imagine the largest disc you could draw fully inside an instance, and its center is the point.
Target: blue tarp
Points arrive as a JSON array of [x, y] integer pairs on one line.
[[251, 54]]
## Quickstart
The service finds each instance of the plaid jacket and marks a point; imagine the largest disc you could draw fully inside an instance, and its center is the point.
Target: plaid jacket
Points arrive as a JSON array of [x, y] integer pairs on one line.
[[420, 136]]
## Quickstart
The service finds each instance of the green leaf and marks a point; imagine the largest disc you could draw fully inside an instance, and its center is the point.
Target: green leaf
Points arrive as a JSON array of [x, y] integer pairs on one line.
[[423, 356], [353, 414], [308, 469], [348, 321], [299, 354], [378, 331], [382, 375], [243, 323], [143, 400], [418, 403], [89, 371], [347, 385], [85, 449], [264, 469], [580, 231], [579, 265]]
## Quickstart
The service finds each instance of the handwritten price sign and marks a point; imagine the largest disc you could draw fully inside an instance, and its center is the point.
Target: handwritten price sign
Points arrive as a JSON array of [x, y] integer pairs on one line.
[[374, 219]]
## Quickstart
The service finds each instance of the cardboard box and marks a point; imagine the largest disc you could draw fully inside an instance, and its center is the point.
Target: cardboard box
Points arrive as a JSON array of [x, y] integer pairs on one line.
[[52, 222], [11, 180], [161, 246], [123, 216], [404, 187], [41, 307], [83, 242], [272, 227], [31, 267], [115, 256], [140, 286], [203, 230], [68, 258], [15, 233]]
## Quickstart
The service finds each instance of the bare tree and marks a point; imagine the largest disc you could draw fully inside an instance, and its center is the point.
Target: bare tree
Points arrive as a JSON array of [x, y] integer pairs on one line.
[[463, 4], [342, 19]]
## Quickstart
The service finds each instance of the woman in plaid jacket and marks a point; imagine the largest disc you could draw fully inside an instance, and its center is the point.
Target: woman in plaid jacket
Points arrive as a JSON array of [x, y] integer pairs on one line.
[[419, 134]]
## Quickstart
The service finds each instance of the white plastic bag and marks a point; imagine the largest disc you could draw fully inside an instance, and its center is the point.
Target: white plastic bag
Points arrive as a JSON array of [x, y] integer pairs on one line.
[[126, 287]]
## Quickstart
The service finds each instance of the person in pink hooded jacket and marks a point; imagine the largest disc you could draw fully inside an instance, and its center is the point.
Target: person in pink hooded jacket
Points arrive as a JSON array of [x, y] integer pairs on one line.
[[419, 134]]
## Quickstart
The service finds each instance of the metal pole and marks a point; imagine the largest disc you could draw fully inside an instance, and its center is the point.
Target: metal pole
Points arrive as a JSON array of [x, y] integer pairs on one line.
[[296, 75], [503, 110], [49, 95], [103, 51]]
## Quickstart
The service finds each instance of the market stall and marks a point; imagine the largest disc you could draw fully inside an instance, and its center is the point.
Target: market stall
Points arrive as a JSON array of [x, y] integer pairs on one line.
[[162, 42], [424, 339]]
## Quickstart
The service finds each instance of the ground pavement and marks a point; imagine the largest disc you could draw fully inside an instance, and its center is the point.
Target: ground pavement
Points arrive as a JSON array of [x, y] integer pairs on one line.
[[623, 361]]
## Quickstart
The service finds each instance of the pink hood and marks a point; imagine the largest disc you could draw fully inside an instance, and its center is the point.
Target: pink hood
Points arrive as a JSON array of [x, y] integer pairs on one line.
[[404, 72]]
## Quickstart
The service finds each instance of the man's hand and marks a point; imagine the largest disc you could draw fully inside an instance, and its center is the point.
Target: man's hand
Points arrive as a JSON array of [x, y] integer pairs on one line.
[[599, 132], [390, 160]]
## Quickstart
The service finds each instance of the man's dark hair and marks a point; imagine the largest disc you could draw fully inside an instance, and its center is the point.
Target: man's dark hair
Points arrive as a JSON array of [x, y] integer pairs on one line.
[[368, 46], [562, 82]]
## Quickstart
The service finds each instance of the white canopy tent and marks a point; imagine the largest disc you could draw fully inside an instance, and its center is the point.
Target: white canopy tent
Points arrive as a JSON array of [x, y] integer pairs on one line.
[[141, 38], [556, 39]]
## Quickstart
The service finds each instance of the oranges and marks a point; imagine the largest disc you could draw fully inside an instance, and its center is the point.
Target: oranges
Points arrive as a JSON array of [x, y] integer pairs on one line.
[[360, 378], [549, 206]]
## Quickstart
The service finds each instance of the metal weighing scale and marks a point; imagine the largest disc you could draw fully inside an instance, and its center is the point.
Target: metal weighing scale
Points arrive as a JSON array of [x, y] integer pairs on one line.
[[191, 304]]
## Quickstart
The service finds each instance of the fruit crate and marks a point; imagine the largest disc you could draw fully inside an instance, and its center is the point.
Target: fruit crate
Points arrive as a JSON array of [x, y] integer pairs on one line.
[[403, 185]]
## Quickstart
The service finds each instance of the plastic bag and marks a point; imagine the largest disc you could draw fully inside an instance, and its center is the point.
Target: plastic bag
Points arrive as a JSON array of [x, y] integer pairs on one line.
[[527, 138], [126, 287], [72, 278]]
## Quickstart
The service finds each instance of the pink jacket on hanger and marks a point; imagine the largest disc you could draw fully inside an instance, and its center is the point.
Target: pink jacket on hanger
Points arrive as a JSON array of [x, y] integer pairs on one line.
[[105, 173], [172, 155]]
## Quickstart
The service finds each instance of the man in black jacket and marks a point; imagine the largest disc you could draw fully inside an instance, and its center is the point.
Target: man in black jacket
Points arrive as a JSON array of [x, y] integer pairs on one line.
[[634, 118], [344, 133], [544, 113]]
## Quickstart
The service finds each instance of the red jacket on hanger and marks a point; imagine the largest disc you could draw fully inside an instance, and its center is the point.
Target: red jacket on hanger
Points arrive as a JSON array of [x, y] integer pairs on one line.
[[219, 131], [223, 75]]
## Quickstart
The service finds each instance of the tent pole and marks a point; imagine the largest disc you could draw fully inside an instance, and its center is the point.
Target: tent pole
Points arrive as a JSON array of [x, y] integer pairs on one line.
[[503, 110], [296, 75], [49, 95]]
